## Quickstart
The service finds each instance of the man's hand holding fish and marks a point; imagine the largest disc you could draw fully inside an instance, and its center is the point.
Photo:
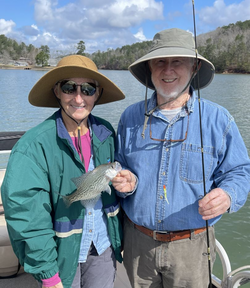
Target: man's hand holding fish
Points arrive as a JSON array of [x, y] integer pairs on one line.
[[125, 181]]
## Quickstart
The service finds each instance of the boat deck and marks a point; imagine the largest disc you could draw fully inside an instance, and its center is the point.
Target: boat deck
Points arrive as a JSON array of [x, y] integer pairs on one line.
[[24, 280]]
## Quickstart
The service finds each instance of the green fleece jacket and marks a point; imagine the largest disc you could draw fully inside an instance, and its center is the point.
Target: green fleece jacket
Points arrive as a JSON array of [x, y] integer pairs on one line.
[[39, 169]]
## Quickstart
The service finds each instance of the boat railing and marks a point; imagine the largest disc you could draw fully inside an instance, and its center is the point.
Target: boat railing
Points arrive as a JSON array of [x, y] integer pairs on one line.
[[230, 279]]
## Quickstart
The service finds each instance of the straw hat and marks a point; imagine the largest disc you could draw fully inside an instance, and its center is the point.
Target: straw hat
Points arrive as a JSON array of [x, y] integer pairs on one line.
[[73, 66], [172, 43]]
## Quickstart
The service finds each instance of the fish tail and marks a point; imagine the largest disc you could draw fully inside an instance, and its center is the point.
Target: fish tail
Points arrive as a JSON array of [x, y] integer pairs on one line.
[[66, 201]]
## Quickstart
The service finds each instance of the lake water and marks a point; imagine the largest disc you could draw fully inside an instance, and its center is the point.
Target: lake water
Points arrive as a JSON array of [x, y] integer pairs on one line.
[[230, 91]]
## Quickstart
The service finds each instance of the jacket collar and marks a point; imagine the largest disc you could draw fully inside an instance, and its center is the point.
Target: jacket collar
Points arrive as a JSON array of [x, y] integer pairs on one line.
[[97, 128], [100, 130]]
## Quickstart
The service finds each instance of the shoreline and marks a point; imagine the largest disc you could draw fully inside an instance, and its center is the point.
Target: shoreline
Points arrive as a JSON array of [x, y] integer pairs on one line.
[[29, 67], [47, 68]]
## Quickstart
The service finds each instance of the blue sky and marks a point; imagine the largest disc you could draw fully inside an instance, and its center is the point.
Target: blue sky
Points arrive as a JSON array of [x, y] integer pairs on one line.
[[104, 24]]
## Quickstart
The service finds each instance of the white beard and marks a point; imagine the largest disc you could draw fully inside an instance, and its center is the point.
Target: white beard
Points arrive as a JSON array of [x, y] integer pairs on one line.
[[172, 99], [170, 96]]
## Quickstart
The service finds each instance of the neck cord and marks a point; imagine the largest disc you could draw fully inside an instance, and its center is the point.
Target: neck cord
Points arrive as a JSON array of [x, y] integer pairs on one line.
[[148, 114], [79, 142]]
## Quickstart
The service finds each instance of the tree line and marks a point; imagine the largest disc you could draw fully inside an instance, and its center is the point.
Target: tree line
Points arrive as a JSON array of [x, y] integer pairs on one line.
[[226, 47], [11, 50]]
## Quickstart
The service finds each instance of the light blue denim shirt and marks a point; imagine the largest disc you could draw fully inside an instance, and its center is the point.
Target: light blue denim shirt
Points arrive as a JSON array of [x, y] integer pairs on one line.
[[94, 225], [170, 177], [94, 228]]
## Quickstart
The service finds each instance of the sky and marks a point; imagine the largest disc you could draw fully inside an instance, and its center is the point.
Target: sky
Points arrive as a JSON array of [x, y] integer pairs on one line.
[[110, 24]]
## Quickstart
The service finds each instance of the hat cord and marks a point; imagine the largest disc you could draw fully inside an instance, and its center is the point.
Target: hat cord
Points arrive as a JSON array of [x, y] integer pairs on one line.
[[98, 99], [79, 141], [148, 114]]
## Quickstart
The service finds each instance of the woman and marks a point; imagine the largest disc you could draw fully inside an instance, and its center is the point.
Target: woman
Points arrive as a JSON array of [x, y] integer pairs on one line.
[[64, 246]]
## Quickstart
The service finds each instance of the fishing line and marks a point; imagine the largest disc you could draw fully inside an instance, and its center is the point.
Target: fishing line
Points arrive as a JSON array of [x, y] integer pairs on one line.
[[202, 152]]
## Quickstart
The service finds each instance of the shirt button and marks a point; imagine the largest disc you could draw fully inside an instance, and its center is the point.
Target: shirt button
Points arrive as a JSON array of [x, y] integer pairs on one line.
[[161, 197], [164, 173], [167, 149], [90, 231], [90, 213], [159, 221]]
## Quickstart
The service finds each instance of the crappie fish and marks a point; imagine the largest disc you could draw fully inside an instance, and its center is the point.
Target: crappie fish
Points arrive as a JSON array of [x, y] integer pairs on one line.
[[92, 184]]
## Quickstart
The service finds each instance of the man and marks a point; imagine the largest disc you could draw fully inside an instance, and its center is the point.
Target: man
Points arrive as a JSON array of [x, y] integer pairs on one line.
[[159, 141]]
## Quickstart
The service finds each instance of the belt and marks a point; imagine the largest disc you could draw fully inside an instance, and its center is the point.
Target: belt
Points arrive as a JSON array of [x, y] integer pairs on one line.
[[166, 236]]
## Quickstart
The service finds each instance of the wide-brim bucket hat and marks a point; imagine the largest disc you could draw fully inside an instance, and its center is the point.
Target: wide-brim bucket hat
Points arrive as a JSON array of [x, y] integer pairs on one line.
[[173, 43], [73, 66]]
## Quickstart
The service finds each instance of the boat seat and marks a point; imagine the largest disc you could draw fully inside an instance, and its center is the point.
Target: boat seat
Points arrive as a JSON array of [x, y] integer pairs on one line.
[[9, 265], [9, 139]]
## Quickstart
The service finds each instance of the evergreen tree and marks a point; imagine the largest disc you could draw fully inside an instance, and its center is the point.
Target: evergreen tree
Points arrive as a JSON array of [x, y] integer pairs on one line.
[[42, 57], [80, 48]]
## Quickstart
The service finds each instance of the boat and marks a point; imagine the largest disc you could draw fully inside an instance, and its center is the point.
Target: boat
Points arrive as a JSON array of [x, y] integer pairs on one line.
[[10, 267]]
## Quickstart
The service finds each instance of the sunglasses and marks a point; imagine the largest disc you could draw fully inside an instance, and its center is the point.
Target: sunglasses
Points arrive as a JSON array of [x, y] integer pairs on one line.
[[70, 87], [170, 140]]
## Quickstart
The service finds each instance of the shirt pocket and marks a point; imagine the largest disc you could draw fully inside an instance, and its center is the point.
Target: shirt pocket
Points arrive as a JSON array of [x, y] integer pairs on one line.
[[191, 170]]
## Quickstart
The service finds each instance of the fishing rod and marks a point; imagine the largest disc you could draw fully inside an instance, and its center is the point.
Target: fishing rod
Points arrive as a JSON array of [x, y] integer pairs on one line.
[[202, 152]]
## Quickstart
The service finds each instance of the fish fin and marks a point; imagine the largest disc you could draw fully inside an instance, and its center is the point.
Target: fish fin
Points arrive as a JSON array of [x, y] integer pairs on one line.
[[78, 180], [57, 193], [65, 199], [108, 190], [90, 203]]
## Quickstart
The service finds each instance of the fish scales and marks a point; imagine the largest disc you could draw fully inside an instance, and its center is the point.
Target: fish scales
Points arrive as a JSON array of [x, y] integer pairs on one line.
[[89, 188], [92, 184]]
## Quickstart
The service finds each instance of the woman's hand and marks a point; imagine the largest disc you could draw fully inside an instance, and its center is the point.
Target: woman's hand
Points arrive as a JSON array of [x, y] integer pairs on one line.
[[124, 181], [59, 285]]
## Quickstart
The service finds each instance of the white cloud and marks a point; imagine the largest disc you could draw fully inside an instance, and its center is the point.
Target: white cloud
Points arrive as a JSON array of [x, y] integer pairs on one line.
[[31, 30], [119, 14], [140, 36], [34, 27], [220, 14], [100, 24], [45, 38], [43, 10], [133, 12], [6, 26]]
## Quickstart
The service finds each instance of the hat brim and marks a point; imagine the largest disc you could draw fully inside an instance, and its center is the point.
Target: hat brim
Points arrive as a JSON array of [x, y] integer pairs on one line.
[[41, 94], [202, 79]]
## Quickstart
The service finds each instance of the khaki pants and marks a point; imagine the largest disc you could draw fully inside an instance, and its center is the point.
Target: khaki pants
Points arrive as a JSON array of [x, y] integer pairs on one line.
[[178, 264], [97, 272]]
